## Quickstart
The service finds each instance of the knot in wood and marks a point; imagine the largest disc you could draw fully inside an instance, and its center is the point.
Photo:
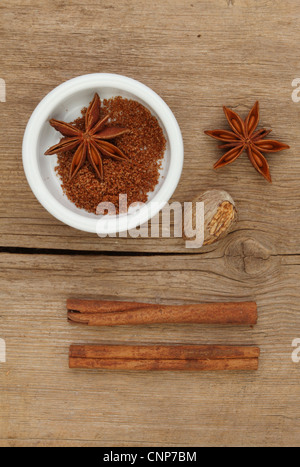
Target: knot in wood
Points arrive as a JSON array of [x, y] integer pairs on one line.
[[248, 256]]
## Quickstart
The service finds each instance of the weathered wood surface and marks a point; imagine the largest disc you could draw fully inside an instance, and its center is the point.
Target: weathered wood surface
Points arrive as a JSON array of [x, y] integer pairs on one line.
[[43, 402], [197, 55]]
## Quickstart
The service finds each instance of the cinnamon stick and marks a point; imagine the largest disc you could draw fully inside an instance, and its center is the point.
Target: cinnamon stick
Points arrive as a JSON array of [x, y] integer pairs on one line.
[[164, 358], [106, 313], [245, 364], [163, 352], [103, 306]]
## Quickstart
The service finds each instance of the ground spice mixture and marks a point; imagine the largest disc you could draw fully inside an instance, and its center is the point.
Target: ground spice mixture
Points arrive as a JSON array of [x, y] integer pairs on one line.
[[144, 146]]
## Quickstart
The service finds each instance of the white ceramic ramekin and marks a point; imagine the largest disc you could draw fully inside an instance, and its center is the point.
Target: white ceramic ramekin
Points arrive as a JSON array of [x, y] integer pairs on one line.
[[65, 103]]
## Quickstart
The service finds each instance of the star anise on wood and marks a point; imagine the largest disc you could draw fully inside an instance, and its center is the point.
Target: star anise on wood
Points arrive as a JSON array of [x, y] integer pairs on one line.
[[245, 137], [91, 143]]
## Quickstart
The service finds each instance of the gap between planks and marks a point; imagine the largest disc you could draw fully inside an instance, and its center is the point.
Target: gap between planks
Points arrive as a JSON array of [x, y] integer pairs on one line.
[[57, 252]]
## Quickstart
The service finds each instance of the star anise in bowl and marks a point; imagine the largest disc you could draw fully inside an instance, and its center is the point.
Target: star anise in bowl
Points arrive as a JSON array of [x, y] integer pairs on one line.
[[90, 143]]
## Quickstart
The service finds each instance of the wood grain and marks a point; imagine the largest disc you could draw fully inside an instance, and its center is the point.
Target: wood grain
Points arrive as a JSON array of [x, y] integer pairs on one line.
[[197, 56], [44, 403]]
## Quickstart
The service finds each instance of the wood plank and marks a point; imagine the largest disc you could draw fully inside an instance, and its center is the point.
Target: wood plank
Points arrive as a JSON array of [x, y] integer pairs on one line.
[[44, 403], [198, 56]]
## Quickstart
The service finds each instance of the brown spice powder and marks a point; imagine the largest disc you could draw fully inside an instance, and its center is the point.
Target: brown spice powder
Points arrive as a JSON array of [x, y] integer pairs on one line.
[[144, 146]]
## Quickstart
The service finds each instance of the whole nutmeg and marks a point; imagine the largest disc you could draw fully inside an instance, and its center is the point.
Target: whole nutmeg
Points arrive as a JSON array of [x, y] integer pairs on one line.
[[219, 215]]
